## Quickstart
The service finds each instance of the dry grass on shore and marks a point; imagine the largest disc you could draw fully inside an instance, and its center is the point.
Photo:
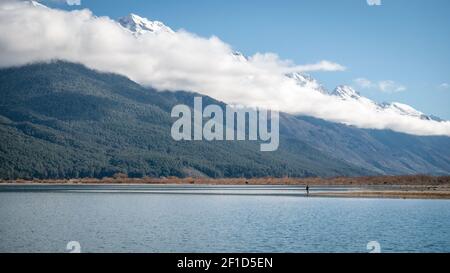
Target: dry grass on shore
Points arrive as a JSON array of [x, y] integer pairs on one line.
[[411, 180]]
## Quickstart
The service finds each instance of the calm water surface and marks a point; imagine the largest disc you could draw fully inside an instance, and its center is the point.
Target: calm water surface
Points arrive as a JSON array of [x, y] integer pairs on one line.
[[214, 219]]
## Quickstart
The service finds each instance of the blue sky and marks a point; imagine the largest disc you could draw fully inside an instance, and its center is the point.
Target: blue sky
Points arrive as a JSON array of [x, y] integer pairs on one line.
[[407, 42]]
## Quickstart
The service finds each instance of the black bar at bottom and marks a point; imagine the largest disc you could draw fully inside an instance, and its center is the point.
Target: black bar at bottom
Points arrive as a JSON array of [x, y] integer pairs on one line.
[[224, 262]]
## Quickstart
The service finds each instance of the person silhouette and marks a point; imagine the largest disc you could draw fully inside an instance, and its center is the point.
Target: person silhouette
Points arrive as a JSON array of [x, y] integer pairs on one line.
[[307, 189]]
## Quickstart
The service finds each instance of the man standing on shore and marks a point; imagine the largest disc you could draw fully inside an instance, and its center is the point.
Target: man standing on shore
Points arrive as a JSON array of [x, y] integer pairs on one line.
[[307, 189]]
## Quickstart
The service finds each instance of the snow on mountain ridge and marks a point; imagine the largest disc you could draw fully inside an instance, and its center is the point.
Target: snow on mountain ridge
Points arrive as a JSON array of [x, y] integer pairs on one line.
[[406, 110], [307, 81], [239, 56], [346, 92], [139, 25]]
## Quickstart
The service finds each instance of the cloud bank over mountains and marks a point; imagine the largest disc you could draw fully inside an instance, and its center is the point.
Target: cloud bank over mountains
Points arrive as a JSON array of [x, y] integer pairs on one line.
[[179, 60]]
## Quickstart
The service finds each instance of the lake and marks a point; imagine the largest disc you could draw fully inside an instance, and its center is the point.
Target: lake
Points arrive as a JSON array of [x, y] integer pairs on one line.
[[191, 218]]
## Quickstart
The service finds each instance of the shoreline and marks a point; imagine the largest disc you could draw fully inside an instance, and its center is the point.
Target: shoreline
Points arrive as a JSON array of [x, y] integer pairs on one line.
[[363, 193], [440, 189]]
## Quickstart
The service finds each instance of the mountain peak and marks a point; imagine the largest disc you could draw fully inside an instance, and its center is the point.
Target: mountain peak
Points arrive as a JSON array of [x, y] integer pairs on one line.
[[346, 92], [140, 25], [239, 56], [305, 80]]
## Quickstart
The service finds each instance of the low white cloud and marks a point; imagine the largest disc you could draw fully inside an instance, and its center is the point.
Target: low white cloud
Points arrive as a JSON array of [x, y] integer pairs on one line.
[[374, 2], [387, 86], [320, 66], [444, 85], [271, 61], [183, 61]]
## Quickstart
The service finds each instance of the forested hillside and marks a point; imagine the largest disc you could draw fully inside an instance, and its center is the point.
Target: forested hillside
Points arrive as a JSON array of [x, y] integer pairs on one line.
[[62, 120]]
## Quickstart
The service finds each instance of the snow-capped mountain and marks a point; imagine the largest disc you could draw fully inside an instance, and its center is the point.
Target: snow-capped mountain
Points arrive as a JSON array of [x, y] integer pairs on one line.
[[238, 56], [307, 81], [348, 93], [406, 110], [139, 25]]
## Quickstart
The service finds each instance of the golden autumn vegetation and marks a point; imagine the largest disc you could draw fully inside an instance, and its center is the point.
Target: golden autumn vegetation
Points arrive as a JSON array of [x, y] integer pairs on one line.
[[119, 178]]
